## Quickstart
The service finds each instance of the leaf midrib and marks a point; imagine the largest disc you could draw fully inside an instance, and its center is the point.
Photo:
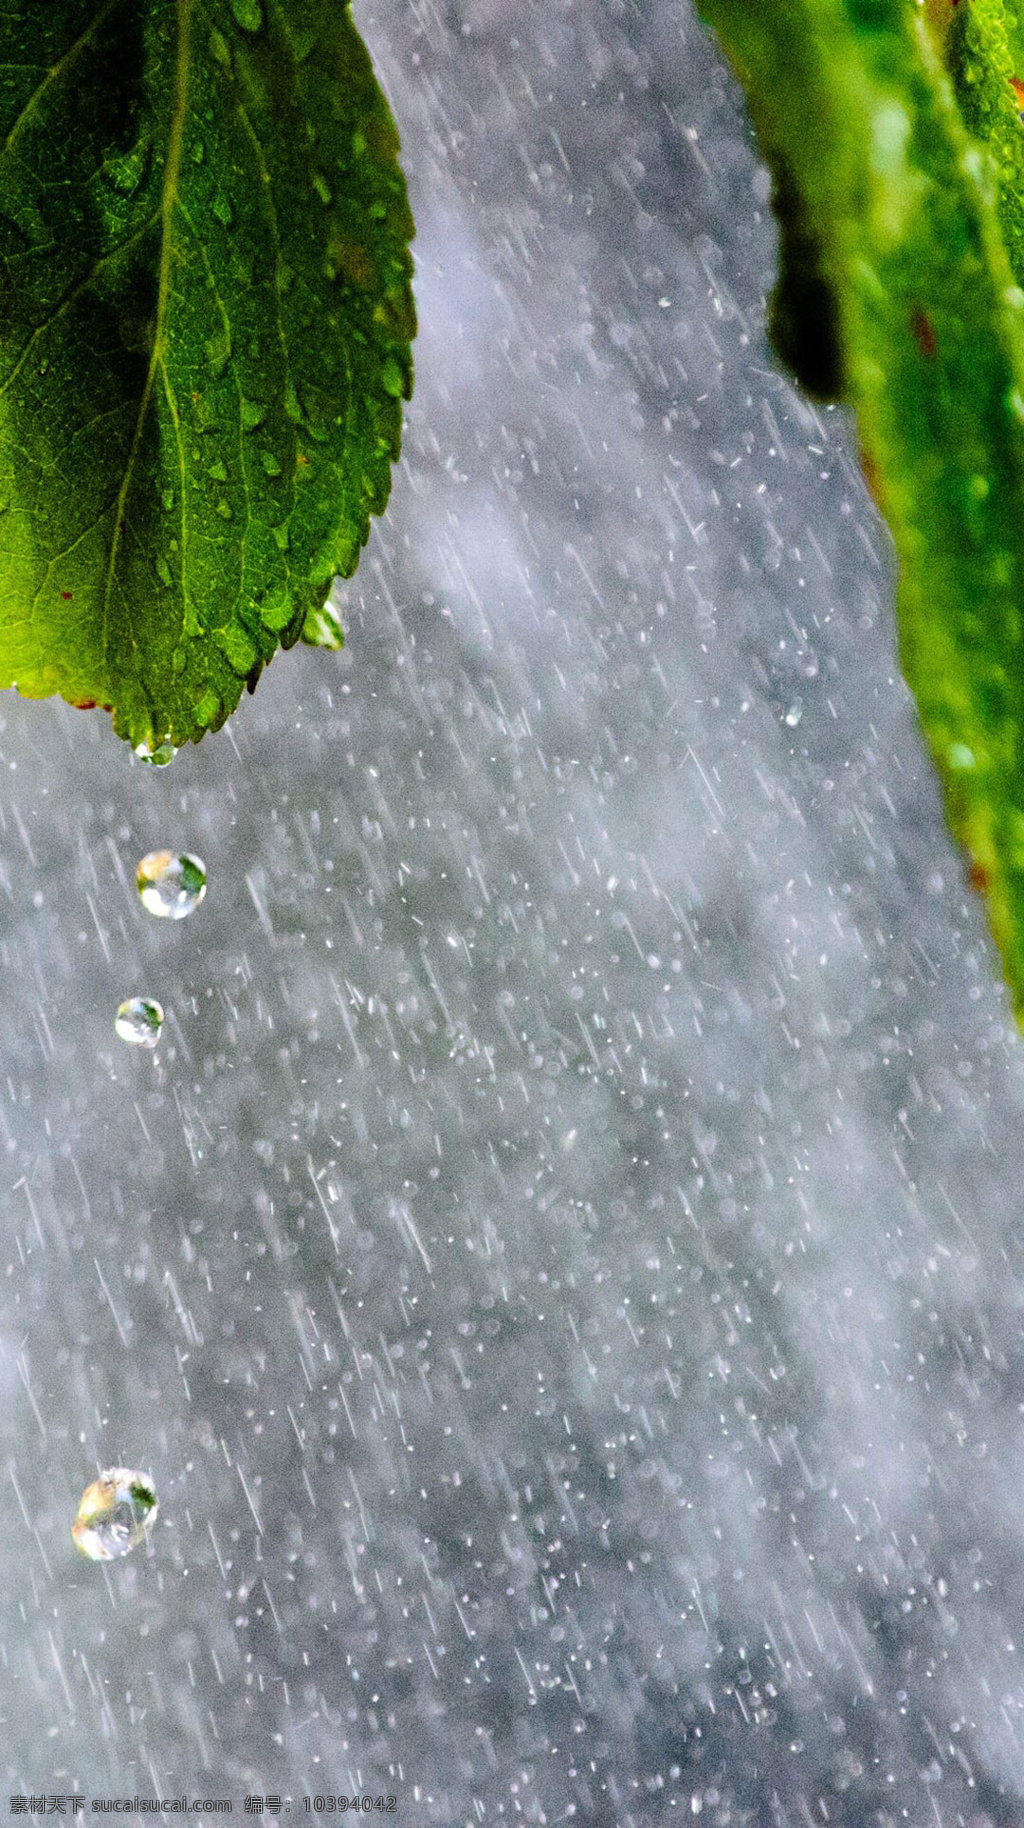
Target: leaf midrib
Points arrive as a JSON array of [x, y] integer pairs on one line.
[[156, 360]]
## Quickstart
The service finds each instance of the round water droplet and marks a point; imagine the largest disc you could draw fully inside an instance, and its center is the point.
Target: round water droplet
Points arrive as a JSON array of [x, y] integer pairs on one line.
[[163, 753], [170, 886], [139, 1021], [117, 1512], [248, 14], [795, 713]]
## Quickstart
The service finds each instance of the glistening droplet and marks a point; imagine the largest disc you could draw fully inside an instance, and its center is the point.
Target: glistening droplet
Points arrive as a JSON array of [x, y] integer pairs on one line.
[[248, 14], [139, 1021], [159, 755], [117, 1512], [170, 885]]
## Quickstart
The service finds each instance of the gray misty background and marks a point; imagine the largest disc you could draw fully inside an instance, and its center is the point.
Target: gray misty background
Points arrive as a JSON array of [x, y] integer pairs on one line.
[[562, 1267]]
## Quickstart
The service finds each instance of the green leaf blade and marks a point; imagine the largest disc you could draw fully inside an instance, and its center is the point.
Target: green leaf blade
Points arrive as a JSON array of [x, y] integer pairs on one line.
[[205, 328], [896, 216]]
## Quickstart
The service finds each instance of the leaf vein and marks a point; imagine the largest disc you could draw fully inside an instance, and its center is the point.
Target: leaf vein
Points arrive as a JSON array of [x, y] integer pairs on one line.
[[73, 293], [170, 190], [53, 75]]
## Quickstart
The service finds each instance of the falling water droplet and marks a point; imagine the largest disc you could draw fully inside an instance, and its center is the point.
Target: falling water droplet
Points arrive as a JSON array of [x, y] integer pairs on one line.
[[163, 753], [795, 713], [170, 886], [139, 1021], [117, 1512]]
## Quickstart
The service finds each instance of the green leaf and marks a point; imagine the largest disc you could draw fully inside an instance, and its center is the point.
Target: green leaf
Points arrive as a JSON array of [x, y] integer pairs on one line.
[[897, 294], [205, 328]]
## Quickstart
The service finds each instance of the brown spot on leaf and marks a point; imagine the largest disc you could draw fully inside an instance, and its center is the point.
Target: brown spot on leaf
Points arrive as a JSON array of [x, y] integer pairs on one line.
[[924, 334], [873, 480], [978, 876], [350, 261]]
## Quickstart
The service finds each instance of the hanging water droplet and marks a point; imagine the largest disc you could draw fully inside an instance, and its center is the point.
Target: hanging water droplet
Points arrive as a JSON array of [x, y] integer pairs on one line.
[[248, 14], [170, 886], [160, 755], [795, 713], [139, 1021], [117, 1512]]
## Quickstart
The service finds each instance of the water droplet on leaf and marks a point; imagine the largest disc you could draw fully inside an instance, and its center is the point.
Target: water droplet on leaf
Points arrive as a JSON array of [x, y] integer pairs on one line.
[[321, 186], [125, 171], [795, 713], [392, 378], [117, 1512], [248, 14], [207, 708], [234, 643], [139, 1021], [170, 885], [218, 355]]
